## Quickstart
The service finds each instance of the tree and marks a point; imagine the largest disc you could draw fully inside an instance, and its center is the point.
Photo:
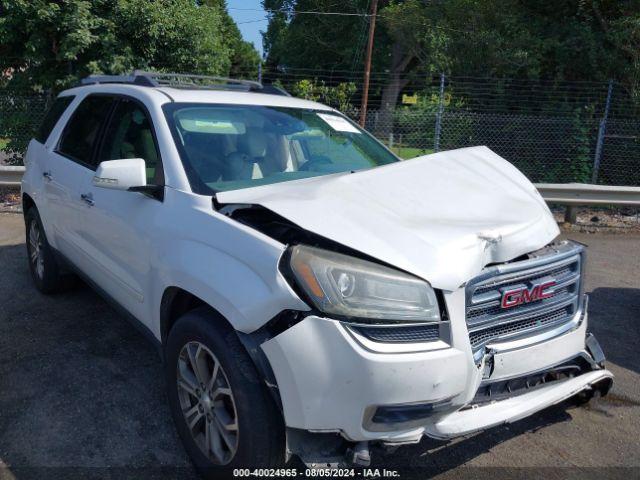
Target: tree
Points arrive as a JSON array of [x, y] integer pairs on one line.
[[564, 40], [311, 41], [244, 57], [48, 45], [52, 43]]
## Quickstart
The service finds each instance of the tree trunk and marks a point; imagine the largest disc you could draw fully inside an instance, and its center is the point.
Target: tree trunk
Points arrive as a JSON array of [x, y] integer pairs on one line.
[[391, 91]]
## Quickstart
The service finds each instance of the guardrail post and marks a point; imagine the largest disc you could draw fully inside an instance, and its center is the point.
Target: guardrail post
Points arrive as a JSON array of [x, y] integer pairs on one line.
[[571, 214], [601, 132], [436, 141]]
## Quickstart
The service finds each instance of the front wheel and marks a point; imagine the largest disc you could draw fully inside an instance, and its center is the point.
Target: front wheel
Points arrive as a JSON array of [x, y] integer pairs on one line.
[[223, 413]]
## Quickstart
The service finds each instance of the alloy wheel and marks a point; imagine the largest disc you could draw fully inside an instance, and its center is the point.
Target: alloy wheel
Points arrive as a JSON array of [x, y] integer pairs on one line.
[[207, 403], [36, 254]]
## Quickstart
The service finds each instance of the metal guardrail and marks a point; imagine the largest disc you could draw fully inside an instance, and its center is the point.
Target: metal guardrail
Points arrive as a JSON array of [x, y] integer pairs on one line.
[[574, 194], [570, 194], [586, 194], [11, 176]]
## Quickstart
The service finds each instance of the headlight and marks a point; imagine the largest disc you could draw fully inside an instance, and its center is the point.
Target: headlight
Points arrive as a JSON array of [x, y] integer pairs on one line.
[[343, 285]]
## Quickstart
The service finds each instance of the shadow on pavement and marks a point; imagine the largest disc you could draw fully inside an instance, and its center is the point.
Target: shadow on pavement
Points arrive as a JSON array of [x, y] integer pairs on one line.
[[614, 318], [80, 388]]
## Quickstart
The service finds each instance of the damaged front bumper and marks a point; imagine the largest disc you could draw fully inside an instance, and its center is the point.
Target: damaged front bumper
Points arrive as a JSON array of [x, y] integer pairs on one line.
[[330, 380]]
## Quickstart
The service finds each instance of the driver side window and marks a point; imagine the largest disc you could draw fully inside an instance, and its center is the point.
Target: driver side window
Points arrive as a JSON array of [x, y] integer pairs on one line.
[[130, 135]]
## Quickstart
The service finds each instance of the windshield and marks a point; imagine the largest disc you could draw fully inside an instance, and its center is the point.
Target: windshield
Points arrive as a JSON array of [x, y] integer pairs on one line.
[[228, 147]]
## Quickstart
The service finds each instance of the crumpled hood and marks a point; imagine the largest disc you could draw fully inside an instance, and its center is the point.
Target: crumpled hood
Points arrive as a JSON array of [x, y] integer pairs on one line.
[[442, 217]]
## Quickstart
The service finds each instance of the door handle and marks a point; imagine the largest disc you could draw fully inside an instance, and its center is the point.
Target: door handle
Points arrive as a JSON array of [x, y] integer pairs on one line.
[[47, 175], [87, 198]]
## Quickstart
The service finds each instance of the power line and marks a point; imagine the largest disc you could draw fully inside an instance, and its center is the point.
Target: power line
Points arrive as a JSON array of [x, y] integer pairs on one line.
[[301, 12], [265, 19]]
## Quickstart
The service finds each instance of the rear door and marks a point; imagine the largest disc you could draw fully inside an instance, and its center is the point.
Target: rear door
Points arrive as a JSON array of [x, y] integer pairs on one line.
[[37, 161], [69, 168]]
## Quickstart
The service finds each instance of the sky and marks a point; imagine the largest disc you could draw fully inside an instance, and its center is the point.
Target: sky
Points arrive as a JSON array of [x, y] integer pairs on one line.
[[250, 18]]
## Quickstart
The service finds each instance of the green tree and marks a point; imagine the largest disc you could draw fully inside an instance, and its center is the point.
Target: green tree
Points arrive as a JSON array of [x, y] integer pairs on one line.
[[325, 42], [52, 43], [244, 58], [338, 96], [563, 40]]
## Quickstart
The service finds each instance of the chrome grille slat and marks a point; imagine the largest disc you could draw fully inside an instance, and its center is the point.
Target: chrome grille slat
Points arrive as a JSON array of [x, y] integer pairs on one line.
[[568, 302], [495, 312], [488, 321], [533, 325]]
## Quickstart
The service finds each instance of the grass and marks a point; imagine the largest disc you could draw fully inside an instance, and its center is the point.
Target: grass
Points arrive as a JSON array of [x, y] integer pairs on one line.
[[3, 143], [410, 152]]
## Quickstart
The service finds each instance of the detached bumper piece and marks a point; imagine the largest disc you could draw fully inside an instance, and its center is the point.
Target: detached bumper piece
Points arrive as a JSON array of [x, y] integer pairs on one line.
[[515, 408], [503, 389]]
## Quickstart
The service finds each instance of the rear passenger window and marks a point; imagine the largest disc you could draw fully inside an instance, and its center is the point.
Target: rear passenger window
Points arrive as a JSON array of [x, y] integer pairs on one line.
[[82, 131], [52, 117], [130, 135]]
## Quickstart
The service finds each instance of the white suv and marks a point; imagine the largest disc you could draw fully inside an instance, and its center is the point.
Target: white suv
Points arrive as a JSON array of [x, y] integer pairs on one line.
[[309, 292]]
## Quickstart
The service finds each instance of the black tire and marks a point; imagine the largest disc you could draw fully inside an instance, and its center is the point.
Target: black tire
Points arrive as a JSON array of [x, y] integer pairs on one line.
[[260, 433], [43, 266]]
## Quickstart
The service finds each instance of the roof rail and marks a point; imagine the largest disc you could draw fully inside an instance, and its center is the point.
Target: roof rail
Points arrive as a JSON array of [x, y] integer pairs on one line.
[[187, 81], [95, 79]]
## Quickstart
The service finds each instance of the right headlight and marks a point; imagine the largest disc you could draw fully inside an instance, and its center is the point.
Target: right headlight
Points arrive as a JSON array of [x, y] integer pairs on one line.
[[348, 286]]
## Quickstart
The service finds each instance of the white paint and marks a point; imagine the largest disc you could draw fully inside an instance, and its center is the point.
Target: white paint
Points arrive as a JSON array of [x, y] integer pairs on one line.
[[442, 217], [121, 174]]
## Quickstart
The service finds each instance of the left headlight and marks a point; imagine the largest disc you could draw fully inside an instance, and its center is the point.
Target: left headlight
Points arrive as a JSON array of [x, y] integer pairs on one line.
[[348, 286]]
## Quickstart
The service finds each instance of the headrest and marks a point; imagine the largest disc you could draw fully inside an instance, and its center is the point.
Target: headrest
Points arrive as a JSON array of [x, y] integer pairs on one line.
[[253, 143]]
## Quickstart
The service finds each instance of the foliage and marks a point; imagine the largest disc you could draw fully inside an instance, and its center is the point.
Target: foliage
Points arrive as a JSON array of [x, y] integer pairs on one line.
[[51, 44], [20, 112], [580, 160], [244, 56], [46, 46], [564, 40], [338, 96], [324, 42]]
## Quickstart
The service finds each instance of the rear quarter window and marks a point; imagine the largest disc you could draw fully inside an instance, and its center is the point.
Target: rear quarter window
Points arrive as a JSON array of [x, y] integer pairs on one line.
[[52, 116]]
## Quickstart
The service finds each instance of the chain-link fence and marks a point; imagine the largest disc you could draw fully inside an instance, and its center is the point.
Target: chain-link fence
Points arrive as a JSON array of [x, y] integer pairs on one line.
[[20, 114], [582, 133], [553, 132]]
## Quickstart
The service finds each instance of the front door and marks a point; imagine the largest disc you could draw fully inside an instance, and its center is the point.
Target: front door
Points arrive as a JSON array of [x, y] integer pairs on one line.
[[119, 226]]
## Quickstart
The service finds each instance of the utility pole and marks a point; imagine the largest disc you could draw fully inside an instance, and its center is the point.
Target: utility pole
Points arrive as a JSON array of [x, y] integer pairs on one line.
[[367, 66]]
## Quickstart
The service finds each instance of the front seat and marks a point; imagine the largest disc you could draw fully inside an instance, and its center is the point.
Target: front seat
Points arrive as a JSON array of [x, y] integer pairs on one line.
[[244, 164], [203, 156]]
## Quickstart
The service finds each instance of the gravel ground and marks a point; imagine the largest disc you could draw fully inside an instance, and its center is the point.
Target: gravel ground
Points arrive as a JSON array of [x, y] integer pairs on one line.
[[600, 219], [82, 395]]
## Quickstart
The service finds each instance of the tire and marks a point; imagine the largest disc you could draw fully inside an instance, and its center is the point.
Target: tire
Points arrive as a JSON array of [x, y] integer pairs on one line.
[[43, 266], [204, 336]]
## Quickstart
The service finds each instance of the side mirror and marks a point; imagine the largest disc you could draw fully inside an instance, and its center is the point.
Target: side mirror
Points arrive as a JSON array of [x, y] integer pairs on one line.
[[121, 174]]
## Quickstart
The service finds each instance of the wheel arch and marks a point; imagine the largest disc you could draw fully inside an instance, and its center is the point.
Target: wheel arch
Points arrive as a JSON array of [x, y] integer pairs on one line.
[[27, 203], [177, 301]]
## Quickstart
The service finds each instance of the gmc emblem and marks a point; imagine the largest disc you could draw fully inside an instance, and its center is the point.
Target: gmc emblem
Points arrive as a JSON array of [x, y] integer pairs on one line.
[[519, 295]]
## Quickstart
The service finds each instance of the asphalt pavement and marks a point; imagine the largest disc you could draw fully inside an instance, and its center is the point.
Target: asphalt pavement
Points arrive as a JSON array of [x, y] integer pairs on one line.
[[82, 392]]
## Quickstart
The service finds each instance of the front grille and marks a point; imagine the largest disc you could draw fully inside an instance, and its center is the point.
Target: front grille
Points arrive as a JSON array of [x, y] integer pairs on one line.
[[400, 333], [487, 320], [531, 324]]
